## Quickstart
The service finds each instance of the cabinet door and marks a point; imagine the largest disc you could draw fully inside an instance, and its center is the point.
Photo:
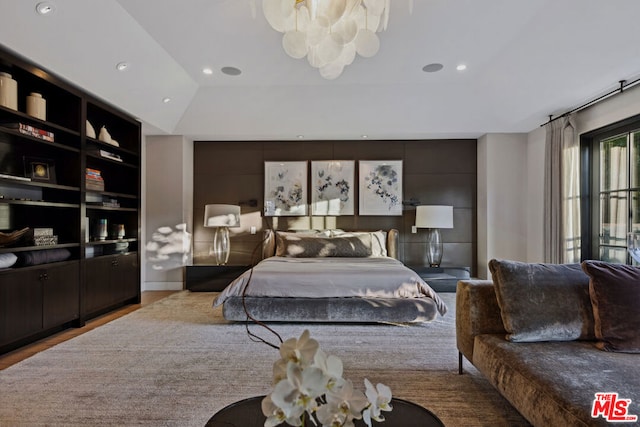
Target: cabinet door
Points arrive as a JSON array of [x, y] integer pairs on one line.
[[125, 276], [20, 305], [61, 290], [98, 293]]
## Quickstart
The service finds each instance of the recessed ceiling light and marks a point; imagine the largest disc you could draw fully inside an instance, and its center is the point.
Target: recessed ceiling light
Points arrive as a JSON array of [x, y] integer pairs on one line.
[[231, 71], [461, 67], [432, 68], [121, 66], [208, 71], [45, 8], [364, 136], [166, 99], [300, 136]]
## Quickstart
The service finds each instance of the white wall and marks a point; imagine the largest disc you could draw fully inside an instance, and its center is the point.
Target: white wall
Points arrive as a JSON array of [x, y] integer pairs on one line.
[[535, 195], [502, 199], [168, 215]]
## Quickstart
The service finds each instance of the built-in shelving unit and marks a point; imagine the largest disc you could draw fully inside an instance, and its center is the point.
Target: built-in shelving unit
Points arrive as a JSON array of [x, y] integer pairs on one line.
[[86, 261]]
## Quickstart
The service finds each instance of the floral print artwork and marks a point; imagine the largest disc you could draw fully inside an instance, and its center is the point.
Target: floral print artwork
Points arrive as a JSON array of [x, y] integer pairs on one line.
[[332, 187], [381, 187], [285, 188]]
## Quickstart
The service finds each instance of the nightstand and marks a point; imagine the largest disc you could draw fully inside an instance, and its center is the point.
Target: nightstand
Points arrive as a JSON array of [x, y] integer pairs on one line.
[[442, 279], [212, 278]]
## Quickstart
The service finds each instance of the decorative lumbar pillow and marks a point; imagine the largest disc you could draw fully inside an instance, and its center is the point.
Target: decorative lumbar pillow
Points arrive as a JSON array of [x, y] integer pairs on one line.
[[543, 302], [318, 246], [615, 295], [378, 240]]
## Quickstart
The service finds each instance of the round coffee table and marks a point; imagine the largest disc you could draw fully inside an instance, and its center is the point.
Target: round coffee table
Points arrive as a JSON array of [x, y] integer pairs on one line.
[[248, 413]]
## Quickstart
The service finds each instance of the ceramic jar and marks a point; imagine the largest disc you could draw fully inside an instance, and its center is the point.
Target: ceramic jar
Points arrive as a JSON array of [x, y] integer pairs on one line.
[[8, 91], [37, 106]]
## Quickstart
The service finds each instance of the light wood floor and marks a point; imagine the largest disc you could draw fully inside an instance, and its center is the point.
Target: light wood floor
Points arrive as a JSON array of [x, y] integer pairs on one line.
[[29, 350]]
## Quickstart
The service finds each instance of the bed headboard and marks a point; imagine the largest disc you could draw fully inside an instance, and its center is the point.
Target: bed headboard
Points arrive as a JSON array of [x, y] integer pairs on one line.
[[269, 243]]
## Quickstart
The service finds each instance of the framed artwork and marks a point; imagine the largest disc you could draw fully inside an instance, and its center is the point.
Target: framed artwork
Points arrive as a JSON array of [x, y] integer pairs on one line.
[[332, 187], [380, 187], [39, 169], [285, 188]]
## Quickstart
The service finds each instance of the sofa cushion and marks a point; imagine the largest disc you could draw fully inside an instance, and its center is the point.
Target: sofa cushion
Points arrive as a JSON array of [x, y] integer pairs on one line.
[[554, 383], [615, 295], [543, 302]]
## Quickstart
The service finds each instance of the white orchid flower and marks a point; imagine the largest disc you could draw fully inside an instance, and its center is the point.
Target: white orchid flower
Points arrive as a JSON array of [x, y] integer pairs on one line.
[[299, 391], [331, 366], [380, 400], [299, 351], [348, 401], [275, 415], [309, 382]]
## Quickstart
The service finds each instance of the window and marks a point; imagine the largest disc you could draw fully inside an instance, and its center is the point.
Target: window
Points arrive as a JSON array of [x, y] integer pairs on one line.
[[611, 181]]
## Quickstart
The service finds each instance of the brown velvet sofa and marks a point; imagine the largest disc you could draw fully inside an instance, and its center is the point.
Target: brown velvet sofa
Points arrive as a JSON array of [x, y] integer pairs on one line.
[[550, 382]]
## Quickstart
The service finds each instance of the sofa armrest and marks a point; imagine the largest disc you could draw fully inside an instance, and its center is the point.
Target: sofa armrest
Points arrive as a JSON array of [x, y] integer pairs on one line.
[[477, 313]]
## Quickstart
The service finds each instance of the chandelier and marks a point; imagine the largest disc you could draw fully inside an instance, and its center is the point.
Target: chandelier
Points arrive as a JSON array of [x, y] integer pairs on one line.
[[328, 32]]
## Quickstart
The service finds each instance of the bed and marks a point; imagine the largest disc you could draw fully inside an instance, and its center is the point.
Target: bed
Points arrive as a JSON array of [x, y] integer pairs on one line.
[[330, 276]]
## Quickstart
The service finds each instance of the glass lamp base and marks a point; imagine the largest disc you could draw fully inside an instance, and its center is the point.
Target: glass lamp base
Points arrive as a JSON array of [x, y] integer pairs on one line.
[[221, 246], [434, 247]]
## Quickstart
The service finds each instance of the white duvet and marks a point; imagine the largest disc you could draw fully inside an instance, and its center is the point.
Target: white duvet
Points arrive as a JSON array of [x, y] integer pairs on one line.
[[377, 277]]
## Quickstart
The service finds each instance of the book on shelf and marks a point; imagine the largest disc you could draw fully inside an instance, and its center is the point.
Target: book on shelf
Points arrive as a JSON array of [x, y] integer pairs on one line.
[[110, 155], [94, 186], [93, 173], [31, 131]]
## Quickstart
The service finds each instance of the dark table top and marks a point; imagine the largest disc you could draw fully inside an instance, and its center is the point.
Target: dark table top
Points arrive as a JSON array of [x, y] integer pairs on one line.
[[248, 413]]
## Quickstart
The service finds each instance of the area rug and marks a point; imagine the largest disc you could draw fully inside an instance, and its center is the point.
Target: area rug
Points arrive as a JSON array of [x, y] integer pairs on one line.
[[177, 361]]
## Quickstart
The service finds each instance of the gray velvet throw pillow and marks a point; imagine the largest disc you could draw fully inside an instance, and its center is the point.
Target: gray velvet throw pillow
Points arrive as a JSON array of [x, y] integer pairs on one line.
[[615, 294], [543, 302]]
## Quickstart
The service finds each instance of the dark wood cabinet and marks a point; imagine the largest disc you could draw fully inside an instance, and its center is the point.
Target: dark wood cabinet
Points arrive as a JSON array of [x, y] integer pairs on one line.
[[78, 231], [36, 299], [110, 281], [61, 293], [20, 305]]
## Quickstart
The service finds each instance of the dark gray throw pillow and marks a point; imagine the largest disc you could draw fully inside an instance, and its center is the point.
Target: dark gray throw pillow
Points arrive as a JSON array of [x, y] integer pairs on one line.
[[543, 302], [615, 295]]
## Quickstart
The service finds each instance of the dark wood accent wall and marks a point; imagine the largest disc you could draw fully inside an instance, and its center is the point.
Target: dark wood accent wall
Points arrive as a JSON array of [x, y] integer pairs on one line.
[[434, 172]]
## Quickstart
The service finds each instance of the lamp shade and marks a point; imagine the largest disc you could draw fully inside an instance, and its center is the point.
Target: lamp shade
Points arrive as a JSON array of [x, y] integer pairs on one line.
[[434, 216], [221, 216]]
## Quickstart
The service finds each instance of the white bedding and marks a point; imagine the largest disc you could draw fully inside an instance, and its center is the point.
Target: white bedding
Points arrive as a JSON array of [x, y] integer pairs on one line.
[[376, 277]]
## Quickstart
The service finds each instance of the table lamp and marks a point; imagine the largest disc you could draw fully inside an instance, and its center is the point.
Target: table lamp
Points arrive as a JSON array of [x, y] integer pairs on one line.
[[221, 218], [434, 218]]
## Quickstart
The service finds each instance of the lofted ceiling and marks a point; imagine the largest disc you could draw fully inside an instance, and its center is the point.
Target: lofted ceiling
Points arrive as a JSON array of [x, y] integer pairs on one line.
[[525, 59]]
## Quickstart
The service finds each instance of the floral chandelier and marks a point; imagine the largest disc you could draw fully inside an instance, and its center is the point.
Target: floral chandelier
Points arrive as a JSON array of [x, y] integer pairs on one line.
[[328, 32]]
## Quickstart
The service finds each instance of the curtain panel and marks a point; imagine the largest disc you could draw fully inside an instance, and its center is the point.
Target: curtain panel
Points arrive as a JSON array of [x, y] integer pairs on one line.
[[562, 192]]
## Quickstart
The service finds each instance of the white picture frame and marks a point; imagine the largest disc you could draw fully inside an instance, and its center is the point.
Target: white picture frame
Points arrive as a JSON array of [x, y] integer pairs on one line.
[[285, 188], [332, 187], [380, 187]]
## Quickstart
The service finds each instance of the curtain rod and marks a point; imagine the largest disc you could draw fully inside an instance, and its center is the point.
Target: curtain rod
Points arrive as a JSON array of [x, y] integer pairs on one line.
[[623, 85]]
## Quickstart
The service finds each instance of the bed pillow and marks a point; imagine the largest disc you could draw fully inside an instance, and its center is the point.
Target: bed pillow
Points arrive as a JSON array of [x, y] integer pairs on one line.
[[378, 240], [305, 246], [46, 256], [543, 302], [615, 293]]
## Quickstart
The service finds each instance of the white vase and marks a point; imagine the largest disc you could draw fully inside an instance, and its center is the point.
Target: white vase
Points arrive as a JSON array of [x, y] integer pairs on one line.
[[104, 135], [91, 132], [37, 106], [8, 91]]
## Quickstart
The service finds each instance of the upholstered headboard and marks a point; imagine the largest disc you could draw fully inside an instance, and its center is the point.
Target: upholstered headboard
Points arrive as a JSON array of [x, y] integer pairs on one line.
[[269, 245]]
